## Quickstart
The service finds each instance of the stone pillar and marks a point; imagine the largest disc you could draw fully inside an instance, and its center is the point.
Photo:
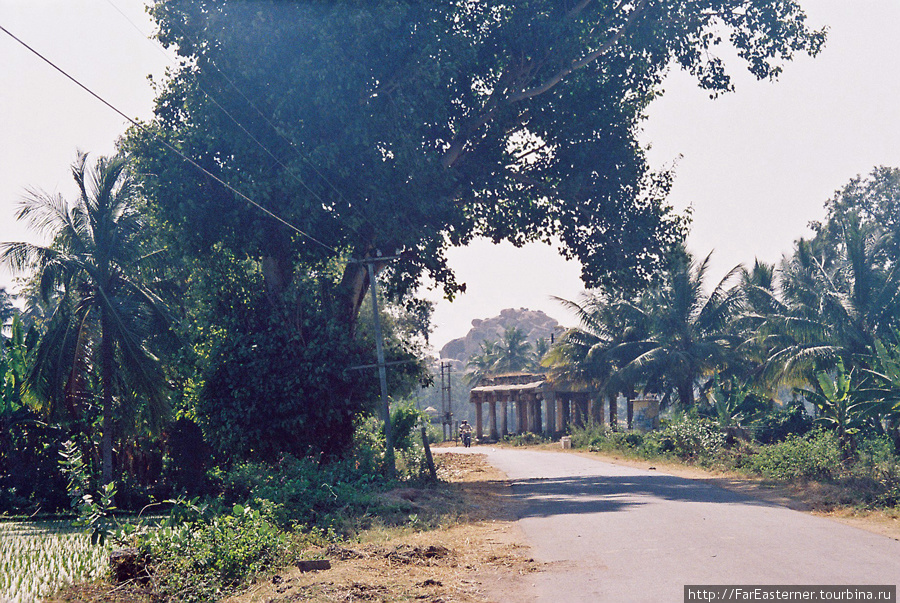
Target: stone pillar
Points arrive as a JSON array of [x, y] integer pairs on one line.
[[550, 406], [478, 420], [564, 424], [630, 411], [493, 411], [597, 413], [521, 416], [560, 419], [538, 420], [504, 425]]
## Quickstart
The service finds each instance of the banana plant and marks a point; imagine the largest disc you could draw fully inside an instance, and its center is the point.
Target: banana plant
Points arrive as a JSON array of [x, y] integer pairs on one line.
[[838, 403]]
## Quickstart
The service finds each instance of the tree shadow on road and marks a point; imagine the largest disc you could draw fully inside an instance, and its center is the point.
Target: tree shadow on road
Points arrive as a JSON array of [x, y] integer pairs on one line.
[[543, 497]]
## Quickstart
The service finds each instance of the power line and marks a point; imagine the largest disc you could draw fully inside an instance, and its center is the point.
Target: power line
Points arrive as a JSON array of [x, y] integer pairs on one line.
[[238, 123], [278, 132], [167, 144], [249, 135]]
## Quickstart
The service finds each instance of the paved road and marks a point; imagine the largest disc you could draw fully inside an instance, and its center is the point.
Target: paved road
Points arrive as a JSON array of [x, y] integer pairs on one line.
[[617, 534]]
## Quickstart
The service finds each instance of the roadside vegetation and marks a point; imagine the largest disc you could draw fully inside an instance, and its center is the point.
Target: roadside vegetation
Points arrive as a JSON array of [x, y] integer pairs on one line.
[[189, 338], [868, 480], [790, 372]]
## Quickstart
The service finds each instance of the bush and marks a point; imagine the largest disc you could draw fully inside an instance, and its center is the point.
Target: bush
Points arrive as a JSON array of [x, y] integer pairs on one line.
[[405, 419], [816, 456], [690, 438], [205, 560], [591, 436], [284, 391], [299, 490], [525, 439], [877, 471], [779, 425]]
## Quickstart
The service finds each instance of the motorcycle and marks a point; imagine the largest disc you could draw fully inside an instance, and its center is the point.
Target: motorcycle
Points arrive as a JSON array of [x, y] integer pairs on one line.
[[467, 439]]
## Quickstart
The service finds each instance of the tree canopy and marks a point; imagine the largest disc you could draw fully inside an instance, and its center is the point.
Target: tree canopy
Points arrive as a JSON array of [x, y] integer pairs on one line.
[[408, 127]]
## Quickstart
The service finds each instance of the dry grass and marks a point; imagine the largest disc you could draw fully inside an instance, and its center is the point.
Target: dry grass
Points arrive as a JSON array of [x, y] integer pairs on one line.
[[466, 547], [475, 548]]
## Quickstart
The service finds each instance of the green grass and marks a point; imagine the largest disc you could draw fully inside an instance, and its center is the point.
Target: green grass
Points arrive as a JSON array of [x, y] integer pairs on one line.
[[37, 558]]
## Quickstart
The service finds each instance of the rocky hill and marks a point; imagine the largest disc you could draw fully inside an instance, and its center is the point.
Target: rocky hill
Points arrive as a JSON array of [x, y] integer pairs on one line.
[[534, 323]]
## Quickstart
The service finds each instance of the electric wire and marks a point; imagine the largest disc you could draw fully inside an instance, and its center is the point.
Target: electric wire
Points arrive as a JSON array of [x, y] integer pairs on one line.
[[166, 143], [289, 142]]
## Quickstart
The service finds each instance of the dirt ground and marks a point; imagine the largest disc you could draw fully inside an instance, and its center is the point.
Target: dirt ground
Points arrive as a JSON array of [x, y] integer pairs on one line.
[[464, 561], [475, 552]]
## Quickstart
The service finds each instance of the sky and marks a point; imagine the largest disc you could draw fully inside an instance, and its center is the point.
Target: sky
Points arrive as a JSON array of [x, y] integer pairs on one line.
[[755, 167]]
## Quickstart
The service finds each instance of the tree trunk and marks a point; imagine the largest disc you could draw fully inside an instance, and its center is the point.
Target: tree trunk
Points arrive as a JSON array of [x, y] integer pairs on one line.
[[614, 411], [106, 385], [354, 286], [686, 394]]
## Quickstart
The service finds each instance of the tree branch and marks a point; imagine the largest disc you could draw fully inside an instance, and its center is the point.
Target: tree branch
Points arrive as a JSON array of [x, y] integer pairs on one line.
[[575, 65]]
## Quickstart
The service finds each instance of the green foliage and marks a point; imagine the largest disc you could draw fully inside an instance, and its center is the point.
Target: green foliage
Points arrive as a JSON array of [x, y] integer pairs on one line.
[[590, 436], [525, 439], [107, 310], [405, 420], [300, 491], [512, 353], [450, 120], [207, 559], [777, 425], [95, 516], [691, 438], [283, 386], [663, 341], [734, 402], [838, 404], [602, 438], [877, 467], [816, 456]]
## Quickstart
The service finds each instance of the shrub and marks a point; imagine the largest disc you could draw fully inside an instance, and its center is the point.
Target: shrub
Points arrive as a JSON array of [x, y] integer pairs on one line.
[[204, 560], [816, 456], [405, 418], [591, 436], [779, 425], [525, 439], [692, 438], [300, 491], [877, 471]]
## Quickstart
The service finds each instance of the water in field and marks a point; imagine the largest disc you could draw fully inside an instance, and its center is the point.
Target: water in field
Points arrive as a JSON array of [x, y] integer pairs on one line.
[[36, 558]]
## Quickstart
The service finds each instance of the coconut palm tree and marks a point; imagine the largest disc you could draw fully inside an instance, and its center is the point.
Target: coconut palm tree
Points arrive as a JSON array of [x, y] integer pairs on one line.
[[689, 332], [482, 363], [103, 313], [588, 356], [513, 351], [584, 356], [837, 301]]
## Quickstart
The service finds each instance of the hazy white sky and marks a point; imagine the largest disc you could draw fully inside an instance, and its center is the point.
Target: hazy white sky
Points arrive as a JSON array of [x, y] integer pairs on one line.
[[756, 166]]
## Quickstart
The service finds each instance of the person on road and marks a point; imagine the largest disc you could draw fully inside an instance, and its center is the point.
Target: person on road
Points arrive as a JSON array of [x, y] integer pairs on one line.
[[465, 433]]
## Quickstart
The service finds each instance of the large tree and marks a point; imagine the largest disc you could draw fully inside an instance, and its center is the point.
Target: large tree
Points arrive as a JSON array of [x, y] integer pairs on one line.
[[401, 126]]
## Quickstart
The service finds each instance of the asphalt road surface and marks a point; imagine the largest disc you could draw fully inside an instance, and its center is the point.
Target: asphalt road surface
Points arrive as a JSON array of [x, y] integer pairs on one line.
[[616, 534]]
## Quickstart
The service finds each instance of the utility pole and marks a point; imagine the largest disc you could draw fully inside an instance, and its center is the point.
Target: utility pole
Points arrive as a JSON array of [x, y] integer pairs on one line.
[[446, 402], [382, 372]]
